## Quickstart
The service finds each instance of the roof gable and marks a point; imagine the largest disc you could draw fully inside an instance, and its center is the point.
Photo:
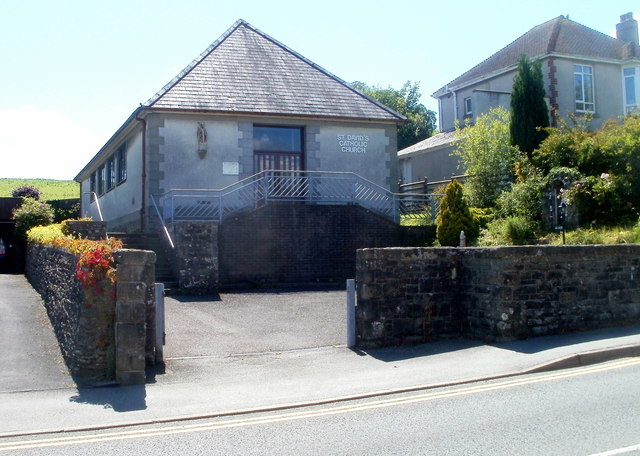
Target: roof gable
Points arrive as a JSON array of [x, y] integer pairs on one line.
[[246, 71], [557, 36]]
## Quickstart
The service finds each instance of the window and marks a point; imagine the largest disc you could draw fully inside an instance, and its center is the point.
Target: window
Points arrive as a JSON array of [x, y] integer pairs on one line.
[[110, 173], [100, 180], [583, 84], [92, 182], [121, 162], [467, 107], [277, 148], [630, 97]]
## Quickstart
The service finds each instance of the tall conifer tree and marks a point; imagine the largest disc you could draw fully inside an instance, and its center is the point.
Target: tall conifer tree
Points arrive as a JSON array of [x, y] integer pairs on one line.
[[529, 113]]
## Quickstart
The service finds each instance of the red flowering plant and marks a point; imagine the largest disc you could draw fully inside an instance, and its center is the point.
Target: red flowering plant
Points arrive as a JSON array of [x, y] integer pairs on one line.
[[96, 269]]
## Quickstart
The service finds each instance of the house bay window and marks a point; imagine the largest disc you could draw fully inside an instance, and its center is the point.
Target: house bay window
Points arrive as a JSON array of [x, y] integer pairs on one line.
[[583, 84], [630, 80]]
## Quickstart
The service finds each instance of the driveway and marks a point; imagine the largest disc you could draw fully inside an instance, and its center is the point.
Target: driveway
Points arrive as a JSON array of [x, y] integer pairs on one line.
[[254, 322], [29, 353]]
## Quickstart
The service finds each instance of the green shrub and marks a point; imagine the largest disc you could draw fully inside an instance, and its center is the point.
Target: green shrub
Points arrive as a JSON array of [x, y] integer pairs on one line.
[[516, 230], [30, 214], [48, 234], [601, 200], [483, 216], [455, 217], [523, 200]]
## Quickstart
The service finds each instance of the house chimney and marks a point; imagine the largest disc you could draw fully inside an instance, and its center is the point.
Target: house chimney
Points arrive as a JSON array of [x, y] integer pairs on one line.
[[627, 29]]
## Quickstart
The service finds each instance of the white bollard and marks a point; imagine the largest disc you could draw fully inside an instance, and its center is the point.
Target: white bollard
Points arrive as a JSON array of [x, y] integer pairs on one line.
[[351, 313], [160, 335]]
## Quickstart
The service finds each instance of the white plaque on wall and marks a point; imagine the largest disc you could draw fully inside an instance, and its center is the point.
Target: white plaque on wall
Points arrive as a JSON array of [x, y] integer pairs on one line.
[[231, 168]]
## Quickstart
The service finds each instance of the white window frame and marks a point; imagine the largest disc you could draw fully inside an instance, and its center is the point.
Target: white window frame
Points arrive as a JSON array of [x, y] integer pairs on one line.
[[631, 107], [468, 107], [580, 71]]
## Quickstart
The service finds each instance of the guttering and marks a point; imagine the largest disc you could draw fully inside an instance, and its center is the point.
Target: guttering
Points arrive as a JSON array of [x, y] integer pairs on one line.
[[143, 201], [455, 103]]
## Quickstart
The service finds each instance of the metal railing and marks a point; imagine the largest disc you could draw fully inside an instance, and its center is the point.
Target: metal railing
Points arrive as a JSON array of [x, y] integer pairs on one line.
[[165, 231], [317, 187], [93, 199], [426, 187]]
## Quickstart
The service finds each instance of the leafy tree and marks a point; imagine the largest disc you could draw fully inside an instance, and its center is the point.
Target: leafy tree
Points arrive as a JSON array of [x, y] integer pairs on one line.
[[454, 217], [529, 113], [487, 156], [31, 213], [406, 101], [26, 191]]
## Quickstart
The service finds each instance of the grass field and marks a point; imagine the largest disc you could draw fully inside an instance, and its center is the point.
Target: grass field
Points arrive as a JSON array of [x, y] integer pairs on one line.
[[51, 189]]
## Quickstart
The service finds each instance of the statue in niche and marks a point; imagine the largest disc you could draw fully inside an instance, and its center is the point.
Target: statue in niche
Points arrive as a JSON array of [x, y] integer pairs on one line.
[[202, 140]]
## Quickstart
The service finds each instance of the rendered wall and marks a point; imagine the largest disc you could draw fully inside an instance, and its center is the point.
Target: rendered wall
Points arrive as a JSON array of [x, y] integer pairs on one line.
[[607, 80], [364, 148], [121, 205]]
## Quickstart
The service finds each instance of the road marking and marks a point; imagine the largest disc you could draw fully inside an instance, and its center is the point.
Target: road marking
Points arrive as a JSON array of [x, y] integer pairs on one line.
[[628, 449], [337, 410]]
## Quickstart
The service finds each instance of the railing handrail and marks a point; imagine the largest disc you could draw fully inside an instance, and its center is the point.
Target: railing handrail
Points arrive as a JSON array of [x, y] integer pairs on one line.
[[97, 201], [258, 176], [164, 227], [289, 185]]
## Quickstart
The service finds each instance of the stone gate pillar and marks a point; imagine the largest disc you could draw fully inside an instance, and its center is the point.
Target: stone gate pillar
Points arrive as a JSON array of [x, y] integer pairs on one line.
[[135, 273]]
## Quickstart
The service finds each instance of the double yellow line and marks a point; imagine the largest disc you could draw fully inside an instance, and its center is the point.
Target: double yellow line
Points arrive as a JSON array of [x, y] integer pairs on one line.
[[301, 415]]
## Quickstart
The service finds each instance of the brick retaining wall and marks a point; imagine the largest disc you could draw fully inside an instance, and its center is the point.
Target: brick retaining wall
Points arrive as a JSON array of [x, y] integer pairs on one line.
[[494, 294], [300, 243]]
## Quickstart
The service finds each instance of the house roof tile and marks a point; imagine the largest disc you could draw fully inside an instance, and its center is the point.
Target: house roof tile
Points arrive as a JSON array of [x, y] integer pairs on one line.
[[434, 142], [557, 36], [246, 71]]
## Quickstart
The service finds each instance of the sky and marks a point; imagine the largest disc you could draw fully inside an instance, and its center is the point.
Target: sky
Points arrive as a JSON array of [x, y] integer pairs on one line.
[[74, 70]]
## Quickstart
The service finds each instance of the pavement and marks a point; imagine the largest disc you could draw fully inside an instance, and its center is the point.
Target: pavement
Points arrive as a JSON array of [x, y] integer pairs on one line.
[[248, 370]]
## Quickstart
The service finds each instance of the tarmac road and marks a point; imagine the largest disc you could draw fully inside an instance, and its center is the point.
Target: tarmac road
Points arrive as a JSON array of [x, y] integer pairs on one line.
[[29, 352]]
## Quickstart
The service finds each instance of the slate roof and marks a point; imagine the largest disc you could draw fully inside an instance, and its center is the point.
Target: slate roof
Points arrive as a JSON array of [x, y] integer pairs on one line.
[[560, 36], [246, 71], [434, 142]]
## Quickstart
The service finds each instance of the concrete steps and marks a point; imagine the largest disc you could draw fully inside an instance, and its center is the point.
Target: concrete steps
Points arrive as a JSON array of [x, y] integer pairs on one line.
[[165, 256]]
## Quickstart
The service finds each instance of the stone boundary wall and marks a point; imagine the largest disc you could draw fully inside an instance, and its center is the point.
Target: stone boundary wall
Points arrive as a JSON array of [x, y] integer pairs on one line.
[[88, 229], [87, 333], [196, 256], [413, 295]]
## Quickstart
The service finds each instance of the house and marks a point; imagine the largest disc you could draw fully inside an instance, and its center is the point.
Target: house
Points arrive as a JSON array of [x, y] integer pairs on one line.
[[584, 71], [247, 122]]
